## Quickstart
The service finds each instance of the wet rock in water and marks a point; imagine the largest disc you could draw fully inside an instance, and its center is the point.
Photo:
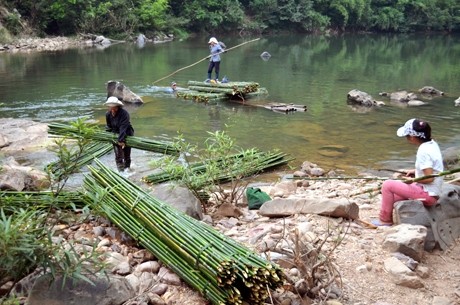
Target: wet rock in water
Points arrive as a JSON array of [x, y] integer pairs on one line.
[[457, 102], [122, 92], [402, 96], [333, 151], [414, 103], [430, 90], [360, 97]]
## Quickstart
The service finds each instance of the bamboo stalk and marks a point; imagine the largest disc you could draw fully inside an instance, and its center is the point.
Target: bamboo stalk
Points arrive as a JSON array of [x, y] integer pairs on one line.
[[444, 173], [10, 200], [262, 161], [103, 136]]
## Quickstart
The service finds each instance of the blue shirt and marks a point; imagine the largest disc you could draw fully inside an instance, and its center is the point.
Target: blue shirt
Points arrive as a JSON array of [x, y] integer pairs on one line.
[[215, 50]]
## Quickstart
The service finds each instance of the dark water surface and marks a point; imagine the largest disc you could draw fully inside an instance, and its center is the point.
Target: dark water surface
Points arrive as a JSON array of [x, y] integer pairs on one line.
[[316, 71]]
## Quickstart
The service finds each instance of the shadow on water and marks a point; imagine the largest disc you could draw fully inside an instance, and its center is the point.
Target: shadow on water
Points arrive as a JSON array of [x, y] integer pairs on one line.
[[315, 71]]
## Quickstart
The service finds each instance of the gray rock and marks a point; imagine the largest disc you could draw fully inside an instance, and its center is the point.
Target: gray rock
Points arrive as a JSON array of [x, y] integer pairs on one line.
[[407, 239], [152, 266], [360, 97], [396, 268], [280, 207], [159, 289], [122, 269], [15, 177], [99, 231], [402, 96], [179, 197], [442, 220], [105, 291], [413, 281], [430, 90], [168, 277], [457, 102], [415, 103], [283, 188], [406, 260], [155, 299], [133, 280], [437, 300], [122, 92]]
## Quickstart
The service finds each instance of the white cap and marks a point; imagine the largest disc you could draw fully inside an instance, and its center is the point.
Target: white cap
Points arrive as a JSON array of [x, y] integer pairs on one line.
[[113, 101], [408, 130], [213, 40]]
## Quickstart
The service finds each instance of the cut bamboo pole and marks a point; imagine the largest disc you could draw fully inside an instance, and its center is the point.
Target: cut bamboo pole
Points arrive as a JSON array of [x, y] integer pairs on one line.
[[103, 136]]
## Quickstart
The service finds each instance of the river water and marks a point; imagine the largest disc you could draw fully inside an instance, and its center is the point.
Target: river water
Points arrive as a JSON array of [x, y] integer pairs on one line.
[[316, 71]]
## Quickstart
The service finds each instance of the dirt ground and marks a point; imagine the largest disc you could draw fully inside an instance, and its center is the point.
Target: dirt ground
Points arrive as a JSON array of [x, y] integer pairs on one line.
[[362, 247], [360, 260]]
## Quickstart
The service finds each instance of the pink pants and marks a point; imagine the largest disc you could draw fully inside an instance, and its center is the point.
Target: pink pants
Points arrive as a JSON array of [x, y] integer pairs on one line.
[[393, 191]]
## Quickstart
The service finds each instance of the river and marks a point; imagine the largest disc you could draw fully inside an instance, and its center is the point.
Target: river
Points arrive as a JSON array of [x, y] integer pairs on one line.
[[316, 71]]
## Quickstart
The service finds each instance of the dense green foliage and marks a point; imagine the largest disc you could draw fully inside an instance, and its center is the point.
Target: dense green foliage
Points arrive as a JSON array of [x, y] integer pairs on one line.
[[67, 17]]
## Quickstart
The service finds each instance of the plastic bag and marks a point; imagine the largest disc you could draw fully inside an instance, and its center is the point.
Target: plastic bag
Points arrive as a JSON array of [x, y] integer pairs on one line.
[[256, 198]]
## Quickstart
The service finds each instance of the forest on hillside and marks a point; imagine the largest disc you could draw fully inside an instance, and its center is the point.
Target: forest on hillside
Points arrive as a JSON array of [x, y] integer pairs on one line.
[[123, 18]]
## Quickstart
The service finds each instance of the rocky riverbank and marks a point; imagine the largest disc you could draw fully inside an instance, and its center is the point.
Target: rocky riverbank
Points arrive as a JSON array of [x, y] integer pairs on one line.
[[335, 231], [51, 44]]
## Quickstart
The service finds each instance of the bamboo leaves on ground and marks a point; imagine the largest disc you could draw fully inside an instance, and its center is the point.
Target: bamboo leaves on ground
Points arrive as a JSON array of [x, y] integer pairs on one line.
[[221, 269]]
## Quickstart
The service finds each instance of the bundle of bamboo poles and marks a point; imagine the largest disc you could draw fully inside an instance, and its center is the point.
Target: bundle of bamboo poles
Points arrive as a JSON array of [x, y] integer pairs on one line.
[[10, 200], [222, 270], [201, 97], [103, 136], [261, 161], [231, 88]]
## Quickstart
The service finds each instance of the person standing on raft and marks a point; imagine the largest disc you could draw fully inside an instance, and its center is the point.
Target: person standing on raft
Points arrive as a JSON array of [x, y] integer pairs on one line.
[[214, 61]]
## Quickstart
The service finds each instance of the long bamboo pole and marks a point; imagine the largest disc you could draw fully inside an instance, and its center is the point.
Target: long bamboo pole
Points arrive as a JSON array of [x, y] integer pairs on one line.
[[207, 57], [444, 173]]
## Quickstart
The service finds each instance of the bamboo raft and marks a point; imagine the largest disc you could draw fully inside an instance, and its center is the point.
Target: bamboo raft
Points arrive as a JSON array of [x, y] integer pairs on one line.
[[212, 92]]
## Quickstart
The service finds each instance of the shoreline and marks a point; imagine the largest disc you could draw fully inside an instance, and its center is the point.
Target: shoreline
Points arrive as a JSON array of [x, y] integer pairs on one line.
[[59, 43]]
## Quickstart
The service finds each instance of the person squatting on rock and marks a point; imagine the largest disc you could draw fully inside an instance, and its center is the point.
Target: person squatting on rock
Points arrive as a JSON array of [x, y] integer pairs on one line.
[[428, 161], [118, 121], [214, 61]]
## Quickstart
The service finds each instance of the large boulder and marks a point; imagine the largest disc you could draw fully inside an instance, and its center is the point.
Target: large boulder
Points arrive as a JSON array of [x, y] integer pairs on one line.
[[281, 207], [105, 290], [442, 220], [362, 98], [122, 92], [14, 177], [402, 96], [430, 90], [180, 198]]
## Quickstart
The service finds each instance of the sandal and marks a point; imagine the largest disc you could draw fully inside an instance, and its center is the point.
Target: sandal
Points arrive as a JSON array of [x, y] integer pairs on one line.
[[379, 223]]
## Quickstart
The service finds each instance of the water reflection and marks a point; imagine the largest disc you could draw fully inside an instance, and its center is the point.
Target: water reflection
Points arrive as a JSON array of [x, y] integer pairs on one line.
[[315, 71]]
